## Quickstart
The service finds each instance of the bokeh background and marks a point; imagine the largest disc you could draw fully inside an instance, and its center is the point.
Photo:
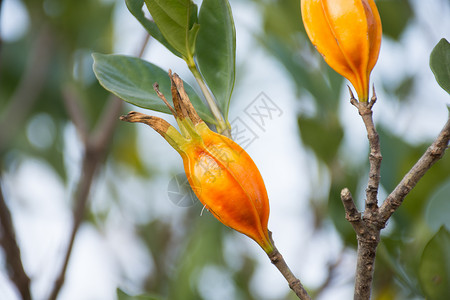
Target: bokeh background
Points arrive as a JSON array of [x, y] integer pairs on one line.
[[62, 148]]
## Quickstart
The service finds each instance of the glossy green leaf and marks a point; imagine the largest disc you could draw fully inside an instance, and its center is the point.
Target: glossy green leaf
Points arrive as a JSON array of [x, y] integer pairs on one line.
[[135, 8], [434, 269], [132, 80], [440, 64], [177, 21], [216, 50]]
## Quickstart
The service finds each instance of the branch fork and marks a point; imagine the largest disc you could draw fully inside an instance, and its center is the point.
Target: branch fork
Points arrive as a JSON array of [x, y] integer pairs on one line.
[[369, 224]]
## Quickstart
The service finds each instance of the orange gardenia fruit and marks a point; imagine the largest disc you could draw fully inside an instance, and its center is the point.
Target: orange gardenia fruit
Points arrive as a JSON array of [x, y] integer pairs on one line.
[[348, 35], [222, 175]]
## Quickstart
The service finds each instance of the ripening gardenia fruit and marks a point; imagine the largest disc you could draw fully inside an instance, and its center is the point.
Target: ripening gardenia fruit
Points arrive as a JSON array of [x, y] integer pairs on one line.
[[348, 35], [222, 175]]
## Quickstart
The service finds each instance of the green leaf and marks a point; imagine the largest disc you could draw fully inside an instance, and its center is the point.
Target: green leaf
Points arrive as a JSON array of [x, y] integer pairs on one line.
[[121, 295], [440, 64], [177, 20], [132, 80], [135, 8], [216, 50], [438, 207], [434, 268]]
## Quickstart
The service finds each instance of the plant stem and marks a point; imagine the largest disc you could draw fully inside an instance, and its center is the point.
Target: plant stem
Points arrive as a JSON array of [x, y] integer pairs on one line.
[[368, 228], [367, 247], [11, 249], [222, 126], [374, 219], [431, 156], [96, 149], [294, 283]]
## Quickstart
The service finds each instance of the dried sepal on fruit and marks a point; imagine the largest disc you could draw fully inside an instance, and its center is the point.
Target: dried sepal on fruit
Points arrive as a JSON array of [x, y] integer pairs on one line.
[[222, 175], [348, 35]]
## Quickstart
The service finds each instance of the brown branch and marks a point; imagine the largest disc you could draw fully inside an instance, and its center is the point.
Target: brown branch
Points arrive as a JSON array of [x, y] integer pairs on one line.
[[294, 283], [435, 152], [95, 152], [351, 212], [368, 236], [9, 244], [367, 246], [368, 227], [19, 105], [96, 145], [365, 110], [90, 164]]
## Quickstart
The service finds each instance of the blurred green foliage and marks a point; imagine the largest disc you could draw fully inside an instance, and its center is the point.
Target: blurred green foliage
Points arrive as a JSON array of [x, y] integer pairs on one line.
[[67, 32]]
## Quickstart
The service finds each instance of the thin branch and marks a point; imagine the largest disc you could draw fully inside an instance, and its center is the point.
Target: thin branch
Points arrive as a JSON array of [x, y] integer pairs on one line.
[[141, 50], [367, 232], [90, 163], [351, 212], [294, 283], [368, 237], [95, 151], [19, 105], [435, 152], [9, 244], [365, 110], [368, 227]]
